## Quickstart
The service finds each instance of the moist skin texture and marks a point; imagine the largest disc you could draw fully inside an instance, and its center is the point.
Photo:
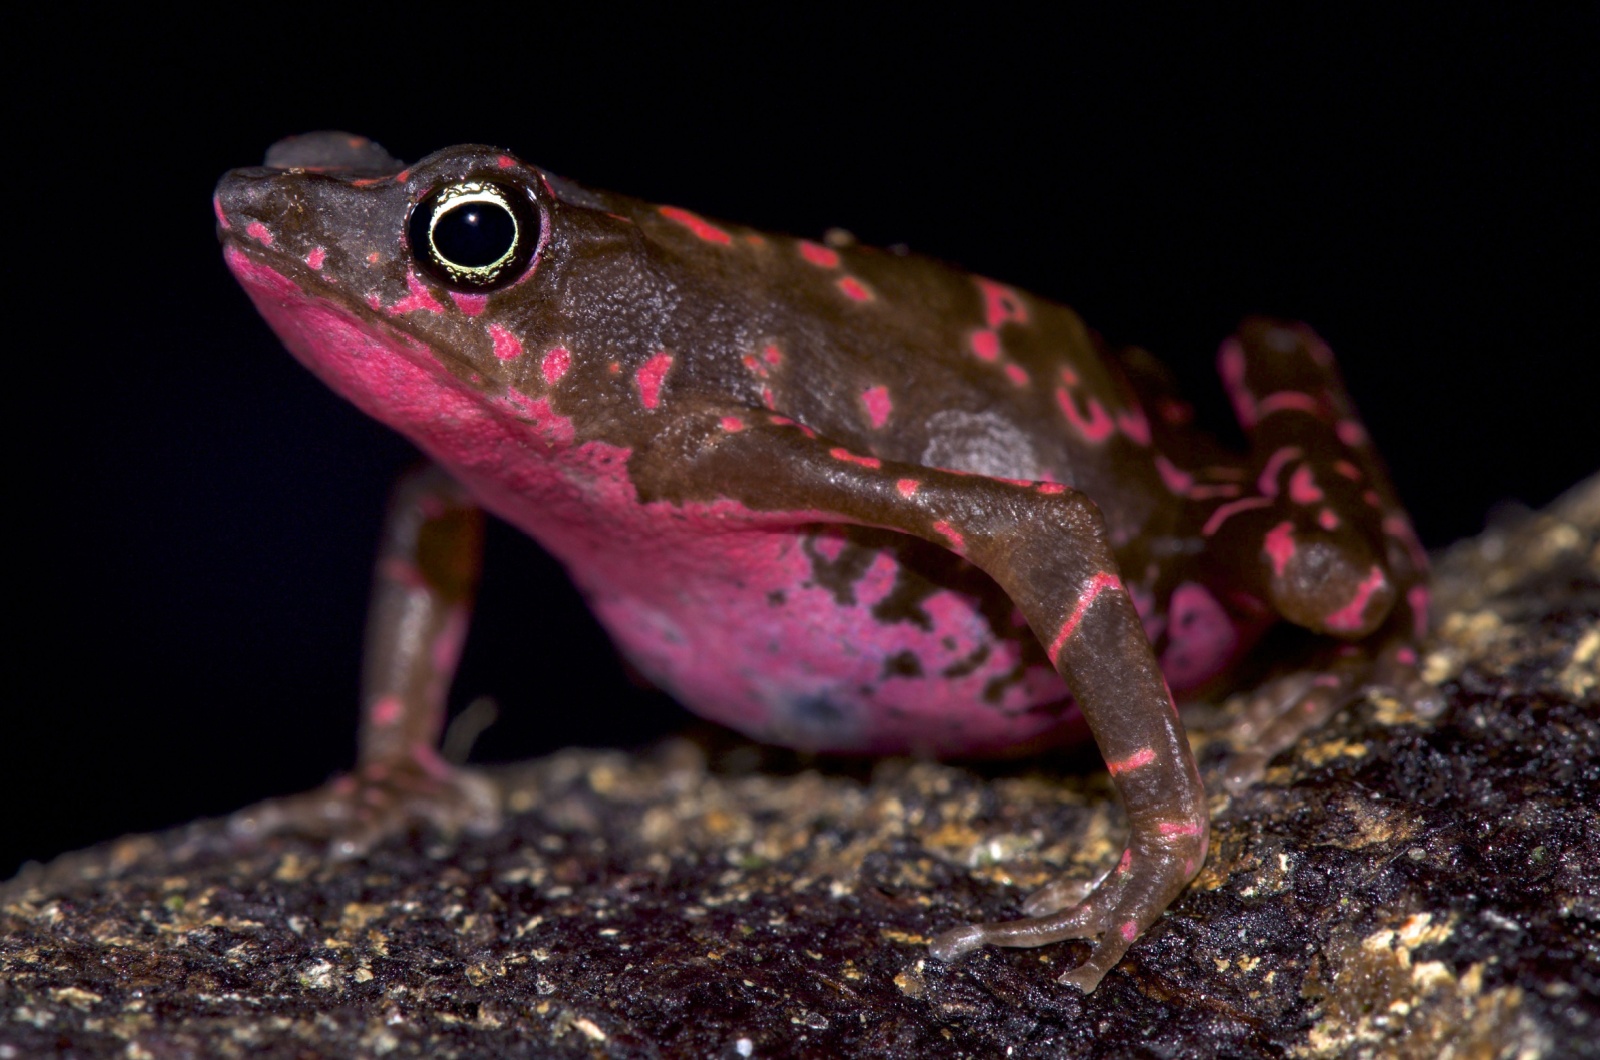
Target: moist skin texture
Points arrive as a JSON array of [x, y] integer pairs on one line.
[[836, 498]]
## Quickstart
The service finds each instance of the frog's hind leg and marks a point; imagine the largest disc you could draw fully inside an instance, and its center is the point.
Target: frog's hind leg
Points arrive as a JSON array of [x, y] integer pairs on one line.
[[422, 594]]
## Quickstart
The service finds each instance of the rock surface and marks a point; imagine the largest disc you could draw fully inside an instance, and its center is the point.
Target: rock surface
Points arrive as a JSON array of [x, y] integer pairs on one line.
[[1398, 886]]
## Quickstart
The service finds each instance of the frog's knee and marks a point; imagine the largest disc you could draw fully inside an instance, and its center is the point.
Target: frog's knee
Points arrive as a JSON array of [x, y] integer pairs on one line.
[[1330, 586]]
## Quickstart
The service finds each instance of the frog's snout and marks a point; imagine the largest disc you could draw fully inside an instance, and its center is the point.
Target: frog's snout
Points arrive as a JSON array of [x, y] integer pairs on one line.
[[1332, 588], [332, 151]]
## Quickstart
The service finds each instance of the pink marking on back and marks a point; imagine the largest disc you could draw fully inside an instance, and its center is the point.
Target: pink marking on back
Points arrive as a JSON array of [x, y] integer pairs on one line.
[[772, 355], [1048, 488], [1267, 483], [387, 710], [1093, 428], [1018, 375], [1142, 757], [1125, 861], [554, 365], [505, 161], [1129, 930], [258, 232], [1288, 400], [819, 255], [1349, 617], [1176, 480], [1179, 828], [696, 224], [879, 405], [650, 376], [1327, 519], [958, 543], [767, 397], [1407, 656], [1278, 544], [1087, 595], [907, 486], [507, 347], [985, 344], [1001, 304], [372, 259], [839, 453], [222, 218], [1303, 486], [402, 176], [1133, 424], [1227, 511], [317, 256], [1348, 470], [732, 424], [418, 298], [1417, 597], [469, 304], [1350, 432], [854, 289]]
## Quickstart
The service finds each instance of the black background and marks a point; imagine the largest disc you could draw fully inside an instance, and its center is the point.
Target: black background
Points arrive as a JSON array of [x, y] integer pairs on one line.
[[197, 513]]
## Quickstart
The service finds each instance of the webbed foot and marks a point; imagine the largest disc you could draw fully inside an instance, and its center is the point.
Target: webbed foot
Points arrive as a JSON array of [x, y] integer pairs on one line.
[[359, 810]]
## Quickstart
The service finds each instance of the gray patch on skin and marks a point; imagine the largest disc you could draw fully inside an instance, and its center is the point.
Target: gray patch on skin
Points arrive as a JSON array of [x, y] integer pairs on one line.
[[980, 443], [815, 722]]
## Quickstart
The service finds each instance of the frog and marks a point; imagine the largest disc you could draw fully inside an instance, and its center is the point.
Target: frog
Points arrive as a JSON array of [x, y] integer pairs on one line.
[[836, 498]]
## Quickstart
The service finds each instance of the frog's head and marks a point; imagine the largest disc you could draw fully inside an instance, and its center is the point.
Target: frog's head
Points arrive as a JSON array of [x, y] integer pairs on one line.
[[409, 288]]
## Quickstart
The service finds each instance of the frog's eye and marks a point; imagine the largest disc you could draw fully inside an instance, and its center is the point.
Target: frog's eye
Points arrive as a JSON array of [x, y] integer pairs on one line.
[[475, 235]]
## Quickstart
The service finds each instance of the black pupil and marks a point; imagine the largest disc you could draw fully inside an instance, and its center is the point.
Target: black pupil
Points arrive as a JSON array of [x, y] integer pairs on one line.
[[474, 234]]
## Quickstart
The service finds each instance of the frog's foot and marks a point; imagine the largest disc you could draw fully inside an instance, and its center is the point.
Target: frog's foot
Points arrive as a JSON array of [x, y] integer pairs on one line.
[[1118, 908], [378, 801], [1284, 709]]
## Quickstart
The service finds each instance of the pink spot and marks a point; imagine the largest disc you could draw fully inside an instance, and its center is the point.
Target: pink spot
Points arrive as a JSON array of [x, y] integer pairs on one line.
[[851, 458], [1327, 519], [554, 365], [819, 255], [1129, 931], [876, 399], [387, 711], [650, 376], [372, 259], [469, 304], [505, 161], [772, 355], [258, 232], [402, 176], [1049, 488], [1279, 546], [1372, 498], [1350, 432], [829, 545], [507, 347], [766, 397], [854, 288], [985, 344], [1267, 484], [1001, 304], [1094, 428], [958, 543], [1017, 374], [1303, 486], [1127, 860], [222, 219], [696, 224], [1349, 617], [732, 423], [907, 486], [1133, 424], [1407, 656], [316, 258], [418, 298], [1348, 470], [1176, 480], [1179, 828], [1090, 592], [1142, 757], [1286, 400], [1228, 511]]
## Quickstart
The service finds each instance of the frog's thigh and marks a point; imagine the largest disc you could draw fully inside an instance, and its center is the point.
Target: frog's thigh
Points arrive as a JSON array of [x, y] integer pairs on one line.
[[1046, 546]]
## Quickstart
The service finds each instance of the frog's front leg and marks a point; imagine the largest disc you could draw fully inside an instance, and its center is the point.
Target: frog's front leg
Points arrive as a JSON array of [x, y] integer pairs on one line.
[[1046, 546], [422, 595]]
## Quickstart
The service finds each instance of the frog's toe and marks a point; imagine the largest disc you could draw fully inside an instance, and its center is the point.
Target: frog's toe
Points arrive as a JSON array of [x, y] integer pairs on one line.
[[1059, 894], [358, 811]]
